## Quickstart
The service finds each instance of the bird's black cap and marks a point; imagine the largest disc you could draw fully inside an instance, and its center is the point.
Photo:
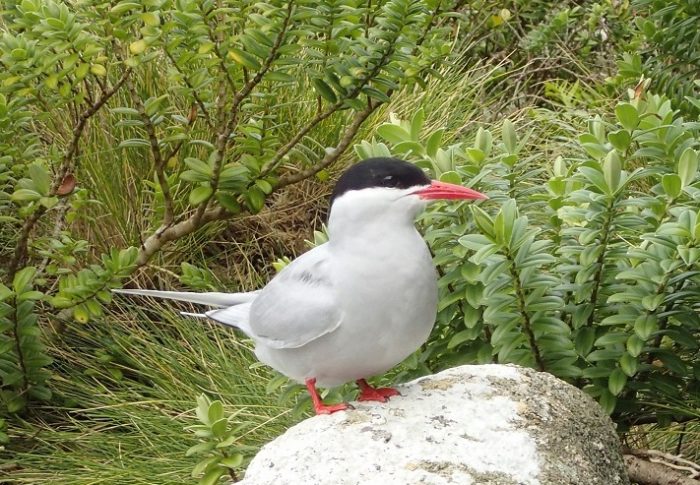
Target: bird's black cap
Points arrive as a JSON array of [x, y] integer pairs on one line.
[[379, 172]]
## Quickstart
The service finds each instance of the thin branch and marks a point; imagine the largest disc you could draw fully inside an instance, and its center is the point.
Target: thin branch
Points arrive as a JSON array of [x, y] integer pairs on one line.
[[654, 419], [286, 148], [196, 97], [155, 242], [331, 155], [18, 348], [597, 279], [217, 44], [428, 26], [646, 472], [21, 249], [522, 307], [158, 160], [283, 150], [225, 134]]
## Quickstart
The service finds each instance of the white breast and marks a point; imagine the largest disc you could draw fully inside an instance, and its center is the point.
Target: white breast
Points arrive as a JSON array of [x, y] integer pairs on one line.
[[388, 297]]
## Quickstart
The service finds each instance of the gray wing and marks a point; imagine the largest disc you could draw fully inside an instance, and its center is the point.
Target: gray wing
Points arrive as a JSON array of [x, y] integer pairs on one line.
[[297, 306]]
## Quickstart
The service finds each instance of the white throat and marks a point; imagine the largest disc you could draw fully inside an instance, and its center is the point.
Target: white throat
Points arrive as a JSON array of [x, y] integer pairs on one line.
[[373, 216]]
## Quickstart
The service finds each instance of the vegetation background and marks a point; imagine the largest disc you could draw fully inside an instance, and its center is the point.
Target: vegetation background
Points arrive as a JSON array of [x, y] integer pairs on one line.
[[192, 144]]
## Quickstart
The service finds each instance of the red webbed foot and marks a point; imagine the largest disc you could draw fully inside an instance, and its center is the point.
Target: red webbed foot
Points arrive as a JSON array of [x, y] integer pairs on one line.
[[369, 393], [331, 408], [319, 407]]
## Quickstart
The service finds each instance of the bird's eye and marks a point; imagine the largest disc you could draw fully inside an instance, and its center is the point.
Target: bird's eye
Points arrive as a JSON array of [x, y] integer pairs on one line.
[[389, 181]]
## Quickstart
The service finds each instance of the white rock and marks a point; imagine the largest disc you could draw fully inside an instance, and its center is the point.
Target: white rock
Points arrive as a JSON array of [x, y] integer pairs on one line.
[[490, 424]]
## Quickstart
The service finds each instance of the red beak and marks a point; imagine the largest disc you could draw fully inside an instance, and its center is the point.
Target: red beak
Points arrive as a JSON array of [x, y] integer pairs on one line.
[[442, 190]]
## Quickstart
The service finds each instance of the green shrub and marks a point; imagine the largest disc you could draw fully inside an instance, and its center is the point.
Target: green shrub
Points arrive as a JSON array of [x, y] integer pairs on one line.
[[585, 266], [164, 117], [666, 49]]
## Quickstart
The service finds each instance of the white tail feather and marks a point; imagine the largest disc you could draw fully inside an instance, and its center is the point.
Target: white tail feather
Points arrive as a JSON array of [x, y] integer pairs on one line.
[[235, 316], [194, 315], [214, 299]]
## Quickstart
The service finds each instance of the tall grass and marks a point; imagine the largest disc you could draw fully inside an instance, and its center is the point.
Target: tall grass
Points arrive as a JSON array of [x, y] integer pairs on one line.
[[127, 387]]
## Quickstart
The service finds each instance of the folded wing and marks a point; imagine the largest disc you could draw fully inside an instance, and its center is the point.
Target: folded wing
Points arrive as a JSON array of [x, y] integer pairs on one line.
[[298, 306]]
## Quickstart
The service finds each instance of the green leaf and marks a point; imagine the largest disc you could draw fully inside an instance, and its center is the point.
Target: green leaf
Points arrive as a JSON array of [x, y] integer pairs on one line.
[[474, 294], [629, 364], [510, 139], [40, 177], [219, 427], [216, 411], [25, 195], [200, 195], [82, 70], [244, 59], [23, 278], [15, 404], [255, 199], [620, 139], [688, 166], [264, 185], [80, 314], [202, 408], [617, 382], [635, 345], [583, 342], [232, 461], [212, 476], [612, 171], [475, 155], [393, 133], [98, 70], [627, 115], [123, 7], [652, 302], [134, 142], [596, 128], [417, 124], [200, 448], [607, 401], [30, 295], [483, 141], [611, 338], [645, 326], [451, 177], [433, 143], [324, 90], [672, 184], [228, 202], [41, 393], [150, 18], [5, 292]]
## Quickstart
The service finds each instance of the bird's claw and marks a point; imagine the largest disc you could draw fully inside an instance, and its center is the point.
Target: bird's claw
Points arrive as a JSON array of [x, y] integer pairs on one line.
[[381, 394], [332, 408], [369, 393]]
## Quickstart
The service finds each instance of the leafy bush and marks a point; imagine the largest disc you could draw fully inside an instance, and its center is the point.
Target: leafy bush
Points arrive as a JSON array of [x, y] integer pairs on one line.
[[218, 451], [543, 40], [584, 266], [667, 36], [166, 116]]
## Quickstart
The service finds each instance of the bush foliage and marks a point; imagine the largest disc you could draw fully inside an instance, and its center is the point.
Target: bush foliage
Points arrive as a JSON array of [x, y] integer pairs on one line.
[[584, 266], [130, 130], [215, 107]]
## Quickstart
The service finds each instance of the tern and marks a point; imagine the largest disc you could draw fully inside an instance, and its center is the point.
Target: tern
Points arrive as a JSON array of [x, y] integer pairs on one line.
[[355, 306]]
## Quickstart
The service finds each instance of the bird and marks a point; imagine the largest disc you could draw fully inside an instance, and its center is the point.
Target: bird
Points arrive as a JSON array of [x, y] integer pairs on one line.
[[356, 305]]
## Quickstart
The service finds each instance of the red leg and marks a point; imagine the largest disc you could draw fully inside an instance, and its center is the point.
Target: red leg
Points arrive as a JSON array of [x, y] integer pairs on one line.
[[319, 407], [369, 393]]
